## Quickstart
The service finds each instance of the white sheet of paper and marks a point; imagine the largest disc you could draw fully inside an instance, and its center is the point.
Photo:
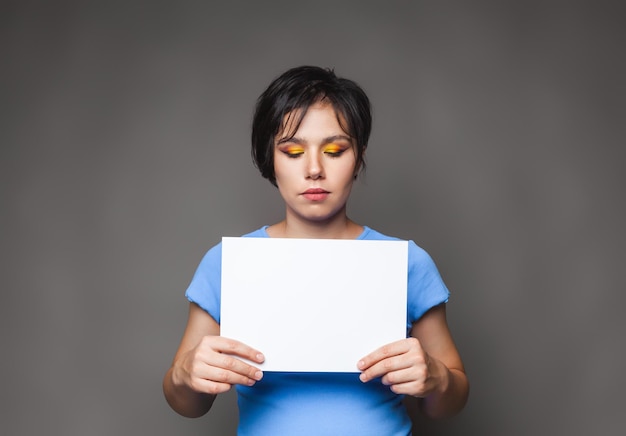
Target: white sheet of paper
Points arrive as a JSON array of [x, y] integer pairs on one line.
[[313, 305]]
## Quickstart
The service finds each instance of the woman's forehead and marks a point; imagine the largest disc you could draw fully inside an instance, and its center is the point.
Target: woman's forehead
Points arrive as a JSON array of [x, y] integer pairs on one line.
[[293, 119]]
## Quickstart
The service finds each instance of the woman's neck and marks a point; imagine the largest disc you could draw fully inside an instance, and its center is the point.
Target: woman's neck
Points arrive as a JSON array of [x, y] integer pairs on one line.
[[292, 227]]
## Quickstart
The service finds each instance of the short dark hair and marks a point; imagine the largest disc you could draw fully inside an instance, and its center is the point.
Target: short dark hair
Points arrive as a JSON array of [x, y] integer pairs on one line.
[[300, 88]]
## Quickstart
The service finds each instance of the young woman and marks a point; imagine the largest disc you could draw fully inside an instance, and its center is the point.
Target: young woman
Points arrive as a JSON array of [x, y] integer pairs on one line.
[[309, 136]]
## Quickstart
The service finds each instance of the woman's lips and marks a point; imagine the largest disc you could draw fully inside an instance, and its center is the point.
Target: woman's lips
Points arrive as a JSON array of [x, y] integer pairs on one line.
[[315, 194]]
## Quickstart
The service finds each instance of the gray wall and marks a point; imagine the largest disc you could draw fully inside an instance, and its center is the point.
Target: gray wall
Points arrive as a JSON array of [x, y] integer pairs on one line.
[[498, 146]]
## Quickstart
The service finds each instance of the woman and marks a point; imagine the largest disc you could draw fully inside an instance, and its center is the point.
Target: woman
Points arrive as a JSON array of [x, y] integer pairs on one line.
[[309, 136]]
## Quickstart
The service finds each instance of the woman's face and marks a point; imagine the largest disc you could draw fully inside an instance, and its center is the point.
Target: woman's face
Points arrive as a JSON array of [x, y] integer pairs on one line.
[[315, 168]]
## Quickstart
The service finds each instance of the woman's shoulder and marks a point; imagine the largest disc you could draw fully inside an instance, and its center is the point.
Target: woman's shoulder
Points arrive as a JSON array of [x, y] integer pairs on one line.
[[215, 252], [258, 233], [415, 251], [370, 234]]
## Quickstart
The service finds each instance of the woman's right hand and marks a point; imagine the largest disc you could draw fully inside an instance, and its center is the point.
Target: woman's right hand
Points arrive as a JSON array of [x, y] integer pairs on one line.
[[214, 365], [207, 364]]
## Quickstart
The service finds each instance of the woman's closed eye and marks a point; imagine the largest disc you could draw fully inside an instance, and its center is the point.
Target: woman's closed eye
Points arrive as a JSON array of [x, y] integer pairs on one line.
[[331, 150], [293, 150], [334, 150]]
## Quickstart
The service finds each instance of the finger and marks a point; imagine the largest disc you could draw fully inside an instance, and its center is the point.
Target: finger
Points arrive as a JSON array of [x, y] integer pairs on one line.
[[414, 382], [385, 367], [413, 389], [209, 386], [234, 347], [228, 369], [385, 352], [407, 353], [238, 373], [412, 374]]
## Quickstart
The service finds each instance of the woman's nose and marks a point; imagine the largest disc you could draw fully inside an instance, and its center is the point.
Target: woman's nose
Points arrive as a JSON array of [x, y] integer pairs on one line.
[[314, 168]]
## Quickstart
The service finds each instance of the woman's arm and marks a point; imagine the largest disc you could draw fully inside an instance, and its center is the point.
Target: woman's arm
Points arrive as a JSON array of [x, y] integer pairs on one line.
[[435, 338], [205, 365], [427, 365]]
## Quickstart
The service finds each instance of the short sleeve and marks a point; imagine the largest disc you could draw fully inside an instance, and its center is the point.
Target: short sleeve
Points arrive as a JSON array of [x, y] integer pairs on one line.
[[426, 288], [205, 286]]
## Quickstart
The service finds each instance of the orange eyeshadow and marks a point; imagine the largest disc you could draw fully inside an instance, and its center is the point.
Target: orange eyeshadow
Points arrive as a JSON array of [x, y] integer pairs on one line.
[[332, 148], [294, 149]]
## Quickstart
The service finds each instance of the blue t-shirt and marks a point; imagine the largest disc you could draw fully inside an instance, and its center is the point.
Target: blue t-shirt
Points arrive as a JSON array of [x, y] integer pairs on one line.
[[323, 403]]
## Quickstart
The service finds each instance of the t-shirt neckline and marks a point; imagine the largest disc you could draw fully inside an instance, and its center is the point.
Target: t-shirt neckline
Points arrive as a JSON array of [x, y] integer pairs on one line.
[[363, 234]]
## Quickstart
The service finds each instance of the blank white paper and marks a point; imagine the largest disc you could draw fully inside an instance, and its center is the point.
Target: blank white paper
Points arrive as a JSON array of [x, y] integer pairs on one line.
[[313, 305]]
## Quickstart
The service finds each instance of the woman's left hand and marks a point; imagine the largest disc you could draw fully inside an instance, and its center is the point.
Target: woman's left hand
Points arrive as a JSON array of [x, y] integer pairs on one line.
[[406, 368]]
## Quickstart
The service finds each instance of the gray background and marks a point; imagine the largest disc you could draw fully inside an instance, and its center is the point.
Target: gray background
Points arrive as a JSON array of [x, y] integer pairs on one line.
[[498, 146]]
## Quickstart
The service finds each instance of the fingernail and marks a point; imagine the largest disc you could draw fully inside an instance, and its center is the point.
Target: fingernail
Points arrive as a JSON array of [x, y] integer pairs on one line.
[[258, 375], [260, 357], [360, 364]]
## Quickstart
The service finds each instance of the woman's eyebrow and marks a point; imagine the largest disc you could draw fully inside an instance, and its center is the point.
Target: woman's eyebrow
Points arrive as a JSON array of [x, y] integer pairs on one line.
[[337, 138], [326, 140], [293, 139]]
